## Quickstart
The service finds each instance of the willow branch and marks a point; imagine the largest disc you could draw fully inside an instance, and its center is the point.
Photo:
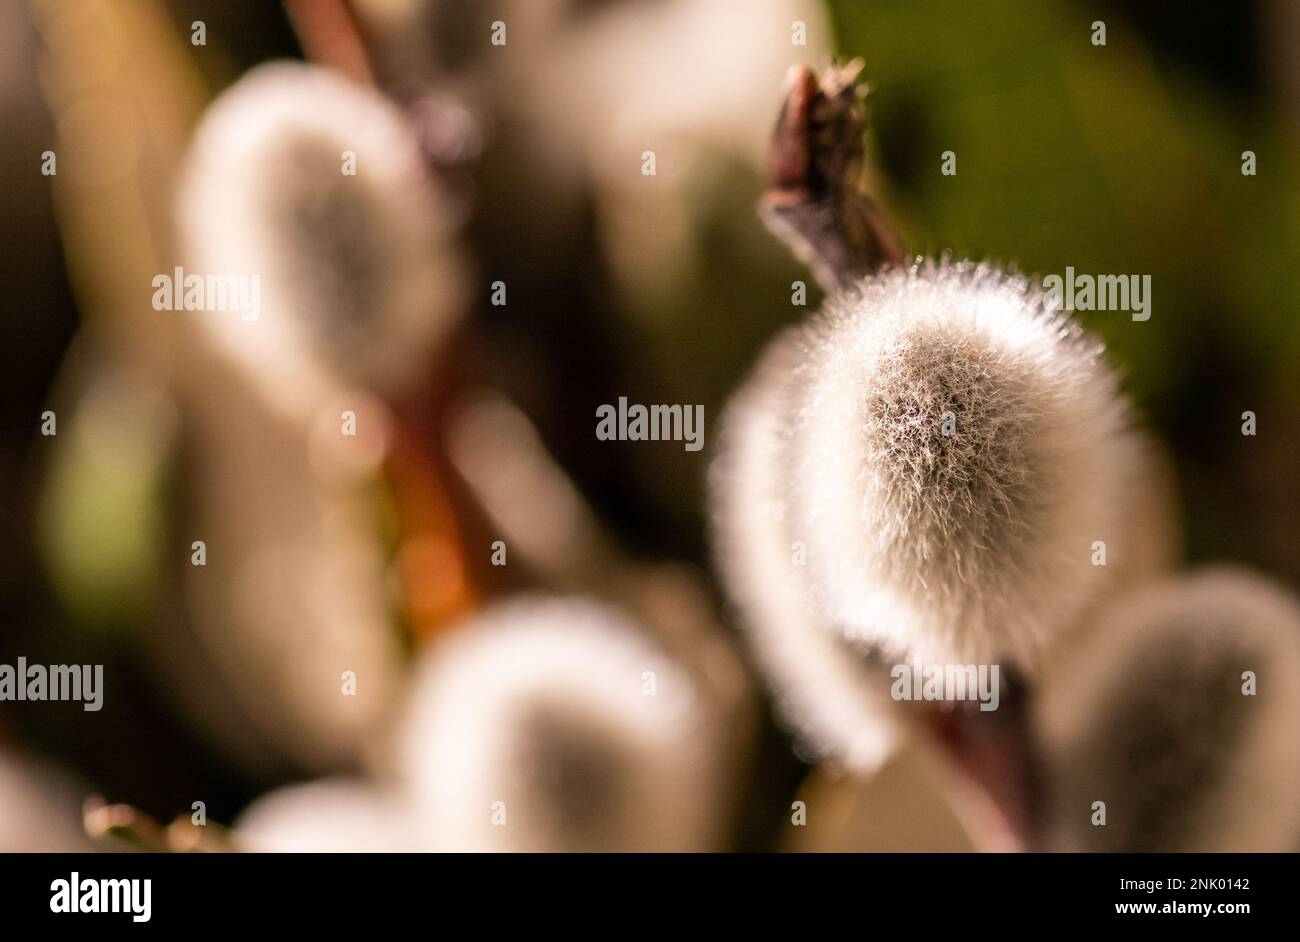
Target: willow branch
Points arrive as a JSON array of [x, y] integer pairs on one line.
[[815, 199]]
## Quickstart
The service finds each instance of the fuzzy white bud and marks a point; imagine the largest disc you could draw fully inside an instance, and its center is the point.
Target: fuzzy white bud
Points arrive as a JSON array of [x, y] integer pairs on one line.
[[317, 185], [956, 449], [1180, 716], [328, 816], [555, 725]]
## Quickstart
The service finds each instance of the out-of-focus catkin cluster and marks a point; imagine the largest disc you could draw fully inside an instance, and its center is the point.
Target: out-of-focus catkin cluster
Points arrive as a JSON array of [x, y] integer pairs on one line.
[[315, 186], [545, 724]]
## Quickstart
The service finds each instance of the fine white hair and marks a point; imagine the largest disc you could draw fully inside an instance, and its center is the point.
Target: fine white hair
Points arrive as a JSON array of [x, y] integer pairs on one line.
[[957, 450], [554, 724], [824, 690], [1157, 720]]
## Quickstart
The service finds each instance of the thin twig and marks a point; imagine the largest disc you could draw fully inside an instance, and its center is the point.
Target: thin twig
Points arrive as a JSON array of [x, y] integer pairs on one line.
[[997, 756], [329, 34], [815, 200]]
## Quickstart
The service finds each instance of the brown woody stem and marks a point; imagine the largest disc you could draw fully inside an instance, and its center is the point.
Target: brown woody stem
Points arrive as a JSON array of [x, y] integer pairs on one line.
[[996, 753], [815, 200]]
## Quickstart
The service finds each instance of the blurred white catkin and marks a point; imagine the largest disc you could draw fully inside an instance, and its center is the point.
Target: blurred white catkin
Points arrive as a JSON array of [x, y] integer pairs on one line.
[[327, 816], [1154, 721], [553, 724], [360, 279]]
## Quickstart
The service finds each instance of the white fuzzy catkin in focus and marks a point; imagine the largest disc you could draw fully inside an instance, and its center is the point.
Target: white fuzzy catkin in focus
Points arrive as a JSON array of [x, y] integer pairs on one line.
[[536, 714], [974, 546]]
